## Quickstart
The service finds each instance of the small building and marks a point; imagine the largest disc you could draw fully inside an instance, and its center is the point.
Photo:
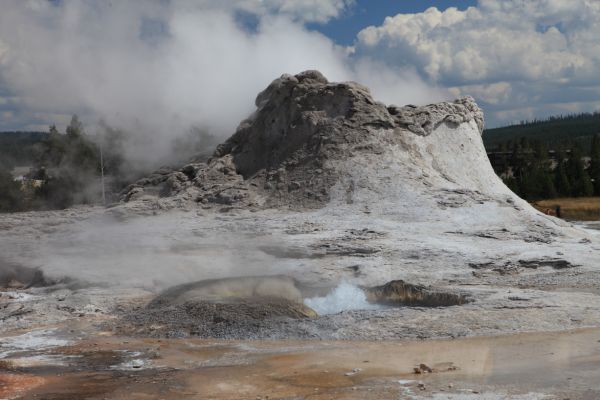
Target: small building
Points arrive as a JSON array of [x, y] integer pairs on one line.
[[21, 174]]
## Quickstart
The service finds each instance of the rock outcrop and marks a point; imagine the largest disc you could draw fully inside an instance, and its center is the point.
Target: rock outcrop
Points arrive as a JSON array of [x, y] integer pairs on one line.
[[291, 151]]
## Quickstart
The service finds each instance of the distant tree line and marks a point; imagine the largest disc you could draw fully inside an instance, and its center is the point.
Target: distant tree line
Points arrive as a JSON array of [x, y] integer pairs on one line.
[[563, 131], [65, 166], [16, 148], [64, 169], [11, 197], [533, 174], [65, 163]]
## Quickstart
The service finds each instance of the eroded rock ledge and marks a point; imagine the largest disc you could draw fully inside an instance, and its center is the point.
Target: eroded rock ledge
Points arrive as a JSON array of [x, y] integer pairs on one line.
[[280, 155]]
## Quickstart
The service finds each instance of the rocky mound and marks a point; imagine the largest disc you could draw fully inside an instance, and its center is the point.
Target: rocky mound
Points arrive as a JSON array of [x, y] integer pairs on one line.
[[237, 307], [401, 293], [231, 290], [292, 150]]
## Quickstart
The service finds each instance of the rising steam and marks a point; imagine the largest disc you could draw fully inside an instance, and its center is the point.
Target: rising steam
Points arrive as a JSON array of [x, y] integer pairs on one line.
[[156, 68], [344, 297]]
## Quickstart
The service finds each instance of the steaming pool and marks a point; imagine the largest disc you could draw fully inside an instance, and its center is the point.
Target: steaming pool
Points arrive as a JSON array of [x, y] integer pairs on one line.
[[345, 297]]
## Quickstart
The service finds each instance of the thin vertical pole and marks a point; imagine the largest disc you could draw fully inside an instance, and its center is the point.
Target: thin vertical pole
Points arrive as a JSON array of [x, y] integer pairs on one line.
[[102, 175]]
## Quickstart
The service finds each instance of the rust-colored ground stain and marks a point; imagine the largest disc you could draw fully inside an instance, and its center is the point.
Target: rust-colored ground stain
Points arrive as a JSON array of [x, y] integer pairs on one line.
[[554, 363], [12, 385]]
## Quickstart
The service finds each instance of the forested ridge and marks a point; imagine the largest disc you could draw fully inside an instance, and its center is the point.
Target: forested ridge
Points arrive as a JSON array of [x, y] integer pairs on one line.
[[555, 157], [557, 132]]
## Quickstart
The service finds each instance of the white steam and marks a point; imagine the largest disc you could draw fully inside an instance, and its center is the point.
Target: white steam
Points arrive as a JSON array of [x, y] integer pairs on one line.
[[151, 252], [157, 68], [344, 297]]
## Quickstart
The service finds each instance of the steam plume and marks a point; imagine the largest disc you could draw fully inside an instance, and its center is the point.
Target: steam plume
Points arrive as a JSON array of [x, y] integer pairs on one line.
[[157, 68]]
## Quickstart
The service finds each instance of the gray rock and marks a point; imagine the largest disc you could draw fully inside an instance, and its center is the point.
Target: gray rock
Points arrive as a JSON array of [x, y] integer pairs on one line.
[[302, 123]]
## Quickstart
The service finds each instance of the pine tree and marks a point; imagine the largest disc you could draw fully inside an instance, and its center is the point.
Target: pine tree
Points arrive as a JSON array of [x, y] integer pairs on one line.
[[75, 128], [581, 184], [548, 189], [513, 185], [561, 180], [11, 196], [594, 170], [587, 187]]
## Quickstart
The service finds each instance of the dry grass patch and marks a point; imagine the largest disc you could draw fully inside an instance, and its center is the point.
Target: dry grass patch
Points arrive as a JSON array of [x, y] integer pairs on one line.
[[580, 208]]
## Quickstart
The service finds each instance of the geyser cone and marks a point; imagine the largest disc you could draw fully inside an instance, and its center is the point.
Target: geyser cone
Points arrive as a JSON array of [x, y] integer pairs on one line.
[[309, 141]]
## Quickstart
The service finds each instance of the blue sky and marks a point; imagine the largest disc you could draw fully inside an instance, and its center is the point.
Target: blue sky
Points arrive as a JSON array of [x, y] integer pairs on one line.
[[163, 65]]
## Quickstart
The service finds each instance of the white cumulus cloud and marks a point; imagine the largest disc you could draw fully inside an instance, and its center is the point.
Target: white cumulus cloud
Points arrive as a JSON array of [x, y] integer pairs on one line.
[[508, 53]]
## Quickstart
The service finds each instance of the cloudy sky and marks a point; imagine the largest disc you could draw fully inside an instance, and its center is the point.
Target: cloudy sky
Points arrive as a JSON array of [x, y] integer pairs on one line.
[[160, 66]]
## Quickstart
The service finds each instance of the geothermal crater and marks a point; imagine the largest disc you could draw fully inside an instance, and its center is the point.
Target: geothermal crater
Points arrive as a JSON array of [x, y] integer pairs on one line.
[[240, 307]]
